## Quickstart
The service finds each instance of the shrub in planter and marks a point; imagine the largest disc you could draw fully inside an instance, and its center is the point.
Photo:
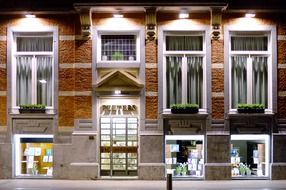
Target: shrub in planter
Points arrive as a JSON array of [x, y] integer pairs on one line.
[[184, 108], [32, 108], [250, 108]]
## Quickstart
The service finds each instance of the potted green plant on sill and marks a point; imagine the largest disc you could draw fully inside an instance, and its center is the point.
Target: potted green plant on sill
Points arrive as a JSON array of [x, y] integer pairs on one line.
[[178, 170], [117, 56], [32, 108], [184, 108], [250, 108]]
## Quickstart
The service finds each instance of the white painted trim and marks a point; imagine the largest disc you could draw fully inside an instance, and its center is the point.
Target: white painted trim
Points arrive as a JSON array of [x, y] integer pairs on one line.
[[2, 66], [217, 66], [67, 37], [3, 38], [281, 37], [82, 133], [278, 164], [151, 65], [152, 164], [149, 93], [3, 93], [84, 164]]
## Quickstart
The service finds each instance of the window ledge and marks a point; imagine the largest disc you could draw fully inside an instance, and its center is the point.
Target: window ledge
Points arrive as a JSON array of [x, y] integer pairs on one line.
[[200, 114]]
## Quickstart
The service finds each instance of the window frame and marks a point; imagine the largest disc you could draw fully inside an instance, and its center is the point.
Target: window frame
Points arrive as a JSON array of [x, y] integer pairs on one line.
[[184, 55], [21, 31], [117, 33], [271, 53]]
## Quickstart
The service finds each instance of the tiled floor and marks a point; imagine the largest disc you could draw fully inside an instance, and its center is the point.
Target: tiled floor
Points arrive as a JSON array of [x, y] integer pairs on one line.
[[28, 184]]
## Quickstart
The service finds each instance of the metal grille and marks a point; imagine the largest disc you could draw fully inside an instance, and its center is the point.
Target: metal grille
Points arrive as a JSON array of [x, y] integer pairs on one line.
[[118, 47]]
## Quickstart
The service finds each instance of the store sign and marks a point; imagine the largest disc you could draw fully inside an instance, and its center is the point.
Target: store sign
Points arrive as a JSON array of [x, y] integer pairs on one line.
[[120, 149], [119, 107]]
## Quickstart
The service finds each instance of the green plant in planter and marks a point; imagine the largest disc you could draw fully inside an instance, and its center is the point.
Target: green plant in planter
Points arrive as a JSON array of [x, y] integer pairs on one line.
[[184, 167], [178, 170], [116, 56], [184, 108], [250, 108], [32, 108]]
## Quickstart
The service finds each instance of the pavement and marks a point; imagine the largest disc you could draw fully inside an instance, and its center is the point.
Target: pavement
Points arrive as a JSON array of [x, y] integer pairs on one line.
[[51, 184]]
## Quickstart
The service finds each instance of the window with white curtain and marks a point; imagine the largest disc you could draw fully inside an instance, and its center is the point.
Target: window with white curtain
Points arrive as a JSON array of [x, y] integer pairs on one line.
[[184, 64], [249, 74], [33, 65]]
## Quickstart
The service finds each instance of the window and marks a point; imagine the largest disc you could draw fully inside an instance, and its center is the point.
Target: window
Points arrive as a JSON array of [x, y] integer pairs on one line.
[[33, 68], [250, 68], [184, 63], [123, 47]]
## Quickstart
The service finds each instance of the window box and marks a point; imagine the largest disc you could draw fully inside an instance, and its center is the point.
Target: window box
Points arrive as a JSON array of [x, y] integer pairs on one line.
[[32, 108], [184, 108], [250, 108]]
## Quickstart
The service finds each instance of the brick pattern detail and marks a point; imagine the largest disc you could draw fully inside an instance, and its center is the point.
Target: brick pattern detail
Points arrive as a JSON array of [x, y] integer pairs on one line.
[[83, 107], [83, 52], [281, 51], [281, 79], [217, 51], [151, 107], [282, 107], [3, 116], [3, 78], [151, 52], [66, 51], [3, 54], [281, 28], [83, 79], [217, 80], [66, 79], [151, 79], [218, 108], [66, 111]]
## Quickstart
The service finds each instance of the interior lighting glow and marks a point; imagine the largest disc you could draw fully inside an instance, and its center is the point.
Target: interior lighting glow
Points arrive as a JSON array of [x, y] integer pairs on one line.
[[117, 92], [183, 15], [117, 15]]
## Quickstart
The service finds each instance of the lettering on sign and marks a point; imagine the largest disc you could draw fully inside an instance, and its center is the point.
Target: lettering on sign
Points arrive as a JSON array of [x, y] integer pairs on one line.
[[119, 149], [119, 107]]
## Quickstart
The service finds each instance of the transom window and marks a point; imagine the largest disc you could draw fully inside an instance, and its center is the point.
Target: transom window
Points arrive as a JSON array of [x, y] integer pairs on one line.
[[123, 47], [250, 68], [33, 76], [184, 63]]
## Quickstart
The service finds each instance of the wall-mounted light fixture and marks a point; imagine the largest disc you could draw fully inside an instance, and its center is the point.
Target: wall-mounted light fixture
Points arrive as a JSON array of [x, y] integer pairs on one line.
[[249, 15], [216, 17], [117, 92], [30, 15], [184, 14], [118, 14]]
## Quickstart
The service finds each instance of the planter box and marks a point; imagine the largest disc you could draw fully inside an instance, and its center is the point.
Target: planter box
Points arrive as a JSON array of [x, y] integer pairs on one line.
[[32, 110], [242, 110], [184, 111]]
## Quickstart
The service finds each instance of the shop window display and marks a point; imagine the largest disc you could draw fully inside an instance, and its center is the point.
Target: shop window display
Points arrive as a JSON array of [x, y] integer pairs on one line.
[[249, 156], [34, 155], [184, 157]]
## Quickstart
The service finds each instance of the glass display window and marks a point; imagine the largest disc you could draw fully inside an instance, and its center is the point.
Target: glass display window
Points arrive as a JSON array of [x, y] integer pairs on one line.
[[249, 156], [184, 155], [33, 155]]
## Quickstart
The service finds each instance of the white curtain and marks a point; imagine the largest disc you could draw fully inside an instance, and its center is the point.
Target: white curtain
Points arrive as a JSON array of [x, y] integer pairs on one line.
[[34, 44], [238, 83], [260, 80], [24, 80], [44, 80], [174, 80], [195, 80], [184, 43]]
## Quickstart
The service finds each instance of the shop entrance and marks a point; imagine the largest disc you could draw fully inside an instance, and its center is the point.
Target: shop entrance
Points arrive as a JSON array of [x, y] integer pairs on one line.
[[118, 146]]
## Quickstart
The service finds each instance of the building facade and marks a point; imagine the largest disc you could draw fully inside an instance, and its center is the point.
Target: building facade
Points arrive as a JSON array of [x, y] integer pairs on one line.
[[108, 75]]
